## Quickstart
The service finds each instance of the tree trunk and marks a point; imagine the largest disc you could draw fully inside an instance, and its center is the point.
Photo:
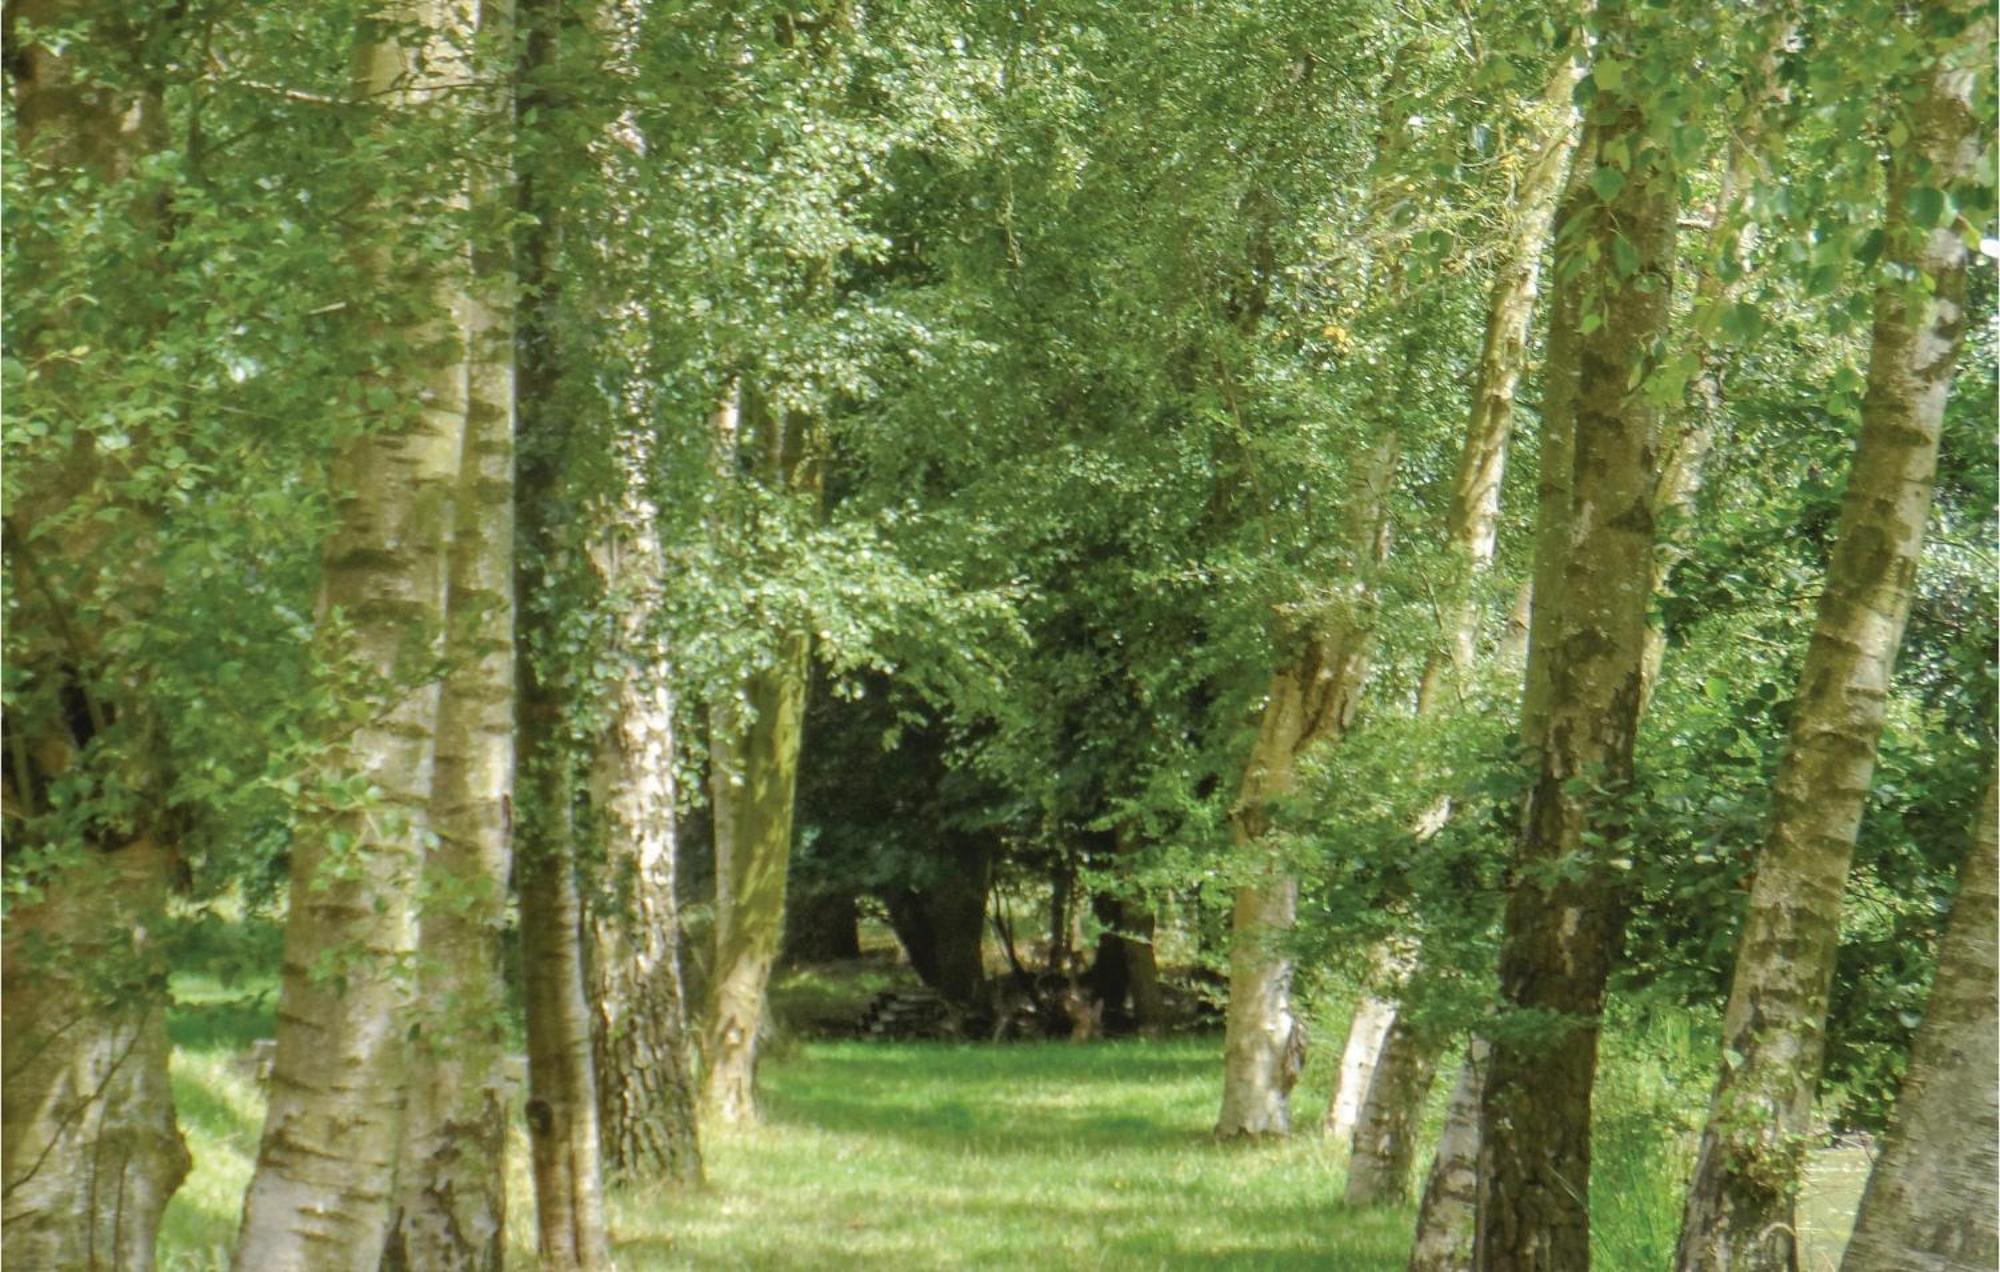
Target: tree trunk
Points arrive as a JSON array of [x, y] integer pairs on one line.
[[1741, 1202], [1142, 969], [1472, 524], [821, 926], [453, 1180], [1932, 1197], [942, 925], [1448, 1216], [1694, 425], [1385, 1138], [90, 1152], [1560, 928], [1312, 699], [1471, 531], [325, 1183], [563, 1134], [1366, 1034], [645, 1089], [754, 777]]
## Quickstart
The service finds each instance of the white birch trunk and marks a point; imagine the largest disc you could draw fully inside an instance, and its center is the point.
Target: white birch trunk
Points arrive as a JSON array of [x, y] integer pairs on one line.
[[452, 1185], [1934, 1195], [1447, 1217], [325, 1179], [645, 1089], [1740, 1208], [1369, 1029]]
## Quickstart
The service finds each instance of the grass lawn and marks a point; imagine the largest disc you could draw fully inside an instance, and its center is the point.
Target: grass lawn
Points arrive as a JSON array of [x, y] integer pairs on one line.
[[931, 1155]]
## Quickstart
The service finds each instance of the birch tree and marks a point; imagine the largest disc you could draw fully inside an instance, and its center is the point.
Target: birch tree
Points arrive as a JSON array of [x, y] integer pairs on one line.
[[1312, 699], [1385, 1083], [645, 1089], [1617, 248], [1934, 1195], [1740, 1204], [452, 1171], [325, 1183]]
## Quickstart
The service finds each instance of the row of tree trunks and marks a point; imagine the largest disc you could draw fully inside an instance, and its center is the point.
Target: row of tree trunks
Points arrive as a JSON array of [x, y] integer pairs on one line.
[[1741, 1203], [90, 1152], [1933, 1200], [1585, 660], [325, 1187]]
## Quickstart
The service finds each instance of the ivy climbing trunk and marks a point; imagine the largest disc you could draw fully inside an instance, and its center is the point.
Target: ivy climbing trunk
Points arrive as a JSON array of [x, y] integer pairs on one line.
[[1311, 700], [325, 1184], [563, 1135], [90, 1152], [645, 1089], [1585, 656], [1934, 1194], [1740, 1204]]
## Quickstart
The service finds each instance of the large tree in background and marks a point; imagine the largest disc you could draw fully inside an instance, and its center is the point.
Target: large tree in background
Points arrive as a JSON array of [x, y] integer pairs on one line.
[[1740, 1203]]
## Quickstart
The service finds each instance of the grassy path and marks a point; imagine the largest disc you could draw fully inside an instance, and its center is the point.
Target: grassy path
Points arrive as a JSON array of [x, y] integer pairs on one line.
[[1053, 1156], [916, 1155]]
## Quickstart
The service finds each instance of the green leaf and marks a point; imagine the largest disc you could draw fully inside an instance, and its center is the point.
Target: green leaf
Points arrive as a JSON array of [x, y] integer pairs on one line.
[[1624, 256], [1926, 206], [1607, 182]]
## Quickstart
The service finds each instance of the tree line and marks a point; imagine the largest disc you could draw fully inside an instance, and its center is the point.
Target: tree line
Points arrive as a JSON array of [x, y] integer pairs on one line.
[[470, 464]]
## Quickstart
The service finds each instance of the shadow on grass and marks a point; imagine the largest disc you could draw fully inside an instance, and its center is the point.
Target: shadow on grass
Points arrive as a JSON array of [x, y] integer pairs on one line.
[[1026, 1100]]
